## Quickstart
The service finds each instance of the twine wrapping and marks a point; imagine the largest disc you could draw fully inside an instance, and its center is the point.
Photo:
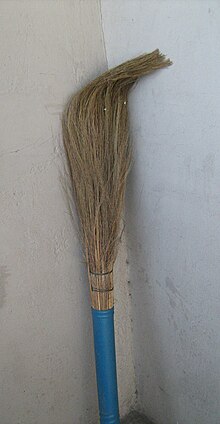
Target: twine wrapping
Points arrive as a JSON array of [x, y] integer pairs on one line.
[[101, 290]]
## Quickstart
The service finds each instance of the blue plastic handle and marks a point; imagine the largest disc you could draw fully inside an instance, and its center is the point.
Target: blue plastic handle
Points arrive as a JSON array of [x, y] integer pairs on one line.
[[104, 342]]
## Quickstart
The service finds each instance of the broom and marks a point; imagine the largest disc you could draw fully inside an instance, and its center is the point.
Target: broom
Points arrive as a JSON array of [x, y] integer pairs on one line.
[[96, 140]]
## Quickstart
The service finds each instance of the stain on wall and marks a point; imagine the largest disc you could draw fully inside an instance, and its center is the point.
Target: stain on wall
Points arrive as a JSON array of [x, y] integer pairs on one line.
[[4, 276]]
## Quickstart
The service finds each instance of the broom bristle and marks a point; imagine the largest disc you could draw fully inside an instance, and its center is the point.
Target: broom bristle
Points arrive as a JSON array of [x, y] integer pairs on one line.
[[95, 133]]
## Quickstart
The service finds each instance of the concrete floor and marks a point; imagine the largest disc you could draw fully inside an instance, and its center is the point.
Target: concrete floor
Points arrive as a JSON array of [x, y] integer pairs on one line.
[[135, 418]]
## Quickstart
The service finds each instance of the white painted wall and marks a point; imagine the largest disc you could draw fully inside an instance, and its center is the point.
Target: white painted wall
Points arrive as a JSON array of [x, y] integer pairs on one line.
[[48, 49], [173, 212]]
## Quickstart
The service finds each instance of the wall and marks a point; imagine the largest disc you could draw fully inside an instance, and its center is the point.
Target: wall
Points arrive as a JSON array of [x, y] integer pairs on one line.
[[48, 50], [173, 225]]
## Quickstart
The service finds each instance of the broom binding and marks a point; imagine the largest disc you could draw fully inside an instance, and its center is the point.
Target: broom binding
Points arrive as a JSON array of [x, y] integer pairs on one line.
[[101, 290]]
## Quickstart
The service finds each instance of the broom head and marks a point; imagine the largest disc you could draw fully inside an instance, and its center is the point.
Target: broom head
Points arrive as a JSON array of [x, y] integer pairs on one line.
[[96, 139]]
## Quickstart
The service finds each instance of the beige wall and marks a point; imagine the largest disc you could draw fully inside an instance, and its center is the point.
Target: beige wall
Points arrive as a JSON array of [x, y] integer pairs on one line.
[[48, 50]]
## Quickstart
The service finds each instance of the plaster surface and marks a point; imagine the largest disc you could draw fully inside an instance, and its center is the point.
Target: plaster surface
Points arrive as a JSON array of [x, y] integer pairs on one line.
[[172, 218], [49, 49]]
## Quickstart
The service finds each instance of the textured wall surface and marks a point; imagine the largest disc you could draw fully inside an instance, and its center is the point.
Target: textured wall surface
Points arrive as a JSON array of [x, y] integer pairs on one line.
[[173, 215], [48, 50]]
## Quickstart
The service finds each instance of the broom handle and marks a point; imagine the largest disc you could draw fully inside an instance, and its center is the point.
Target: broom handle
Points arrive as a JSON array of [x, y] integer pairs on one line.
[[104, 343]]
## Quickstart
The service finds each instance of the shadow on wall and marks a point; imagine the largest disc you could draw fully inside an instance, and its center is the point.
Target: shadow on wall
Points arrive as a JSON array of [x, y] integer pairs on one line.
[[135, 418], [150, 364]]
